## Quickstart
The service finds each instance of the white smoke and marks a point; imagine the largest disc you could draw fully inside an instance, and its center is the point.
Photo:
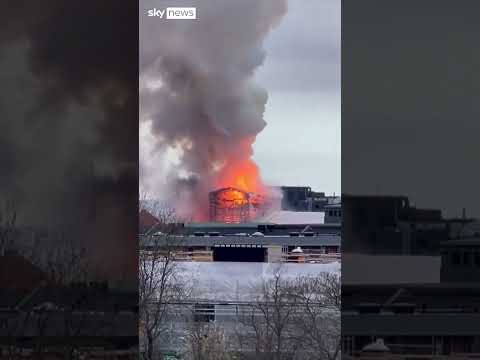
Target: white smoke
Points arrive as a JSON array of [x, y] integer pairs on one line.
[[197, 94]]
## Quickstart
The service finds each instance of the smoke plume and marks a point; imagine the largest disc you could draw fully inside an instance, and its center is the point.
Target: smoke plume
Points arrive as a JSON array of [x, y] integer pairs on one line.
[[198, 98], [68, 109]]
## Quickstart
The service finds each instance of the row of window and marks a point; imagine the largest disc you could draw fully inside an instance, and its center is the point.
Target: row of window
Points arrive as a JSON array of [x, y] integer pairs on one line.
[[464, 258], [337, 213]]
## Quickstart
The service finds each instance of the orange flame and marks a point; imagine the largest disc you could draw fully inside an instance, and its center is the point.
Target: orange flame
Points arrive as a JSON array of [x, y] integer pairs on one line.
[[233, 197], [241, 173]]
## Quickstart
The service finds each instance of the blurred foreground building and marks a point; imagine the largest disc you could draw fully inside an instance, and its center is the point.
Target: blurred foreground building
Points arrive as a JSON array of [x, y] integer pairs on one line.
[[410, 282], [47, 320]]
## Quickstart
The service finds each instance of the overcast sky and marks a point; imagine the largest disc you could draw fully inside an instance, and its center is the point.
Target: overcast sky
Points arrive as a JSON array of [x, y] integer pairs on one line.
[[301, 143], [410, 117]]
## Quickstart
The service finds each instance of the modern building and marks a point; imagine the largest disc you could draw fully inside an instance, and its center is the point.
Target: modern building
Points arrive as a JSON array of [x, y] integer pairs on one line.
[[461, 260], [410, 281], [36, 313], [391, 225], [333, 213], [257, 247], [271, 239], [302, 198], [315, 235], [412, 319], [274, 229]]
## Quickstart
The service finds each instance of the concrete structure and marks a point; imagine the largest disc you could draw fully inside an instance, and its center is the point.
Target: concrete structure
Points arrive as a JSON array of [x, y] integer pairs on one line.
[[88, 317], [258, 248], [409, 277], [261, 241], [38, 313], [263, 227], [461, 260], [387, 269], [333, 214], [414, 319], [390, 225], [302, 198]]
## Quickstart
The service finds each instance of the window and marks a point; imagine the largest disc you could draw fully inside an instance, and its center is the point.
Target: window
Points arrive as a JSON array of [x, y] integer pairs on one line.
[[467, 259], [3, 323], [477, 259], [455, 258], [204, 313], [347, 345]]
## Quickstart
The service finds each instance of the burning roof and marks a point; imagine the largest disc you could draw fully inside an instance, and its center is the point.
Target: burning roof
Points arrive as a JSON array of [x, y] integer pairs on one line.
[[201, 103], [229, 205], [232, 205]]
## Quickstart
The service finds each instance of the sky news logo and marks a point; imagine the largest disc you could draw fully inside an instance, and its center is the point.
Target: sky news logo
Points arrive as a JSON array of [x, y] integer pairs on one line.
[[174, 13]]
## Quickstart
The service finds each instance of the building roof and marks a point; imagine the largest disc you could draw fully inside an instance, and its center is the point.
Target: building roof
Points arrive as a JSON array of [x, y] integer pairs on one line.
[[146, 220], [316, 240], [294, 217], [373, 196], [333, 206], [210, 225], [388, 269]]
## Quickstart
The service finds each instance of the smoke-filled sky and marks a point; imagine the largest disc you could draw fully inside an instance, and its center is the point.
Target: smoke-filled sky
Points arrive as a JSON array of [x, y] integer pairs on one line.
[[68, 120], [301, 143], [269, 69]]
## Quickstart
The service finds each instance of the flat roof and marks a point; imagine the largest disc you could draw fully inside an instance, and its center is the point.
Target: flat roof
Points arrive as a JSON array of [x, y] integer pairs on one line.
[[317, 240], [207, 225], [295, 217], [387, 269]]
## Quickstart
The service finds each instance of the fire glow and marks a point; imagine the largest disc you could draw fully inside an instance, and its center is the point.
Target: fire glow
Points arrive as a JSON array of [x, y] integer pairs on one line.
[[209, 106], [240, 192], [240, 171]]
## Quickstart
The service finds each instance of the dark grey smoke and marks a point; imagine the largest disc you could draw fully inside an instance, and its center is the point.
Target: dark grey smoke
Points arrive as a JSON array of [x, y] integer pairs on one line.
[[196, 85], [68, 110]]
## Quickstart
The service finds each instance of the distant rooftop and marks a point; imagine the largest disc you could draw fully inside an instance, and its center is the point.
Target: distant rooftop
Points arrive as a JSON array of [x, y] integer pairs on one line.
[[294, 217], [388, 269], [209, 225], [316, 240]]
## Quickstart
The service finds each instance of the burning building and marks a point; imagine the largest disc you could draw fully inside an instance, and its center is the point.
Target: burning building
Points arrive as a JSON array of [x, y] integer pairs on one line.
[[202, 109], [232, 206], [229, 205]]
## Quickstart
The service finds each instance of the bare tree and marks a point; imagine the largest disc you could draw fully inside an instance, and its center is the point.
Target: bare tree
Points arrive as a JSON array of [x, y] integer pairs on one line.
[[207, 341], [160, 281], [8, 219], [65, 261], [318, 323], [61, 258], [266, 327], [293, 319]]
